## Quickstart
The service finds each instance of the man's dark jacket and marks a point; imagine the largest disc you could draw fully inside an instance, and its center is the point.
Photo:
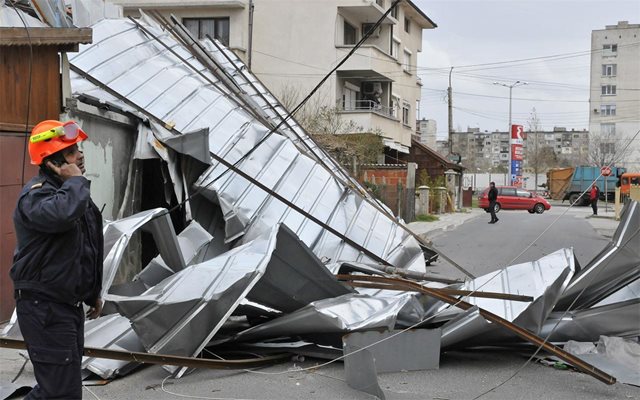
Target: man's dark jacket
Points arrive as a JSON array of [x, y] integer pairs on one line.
[[493, 194], [60, 247]]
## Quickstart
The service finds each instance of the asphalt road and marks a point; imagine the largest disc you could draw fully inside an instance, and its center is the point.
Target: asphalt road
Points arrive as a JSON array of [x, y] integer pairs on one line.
[[477, 246], [518, 237]]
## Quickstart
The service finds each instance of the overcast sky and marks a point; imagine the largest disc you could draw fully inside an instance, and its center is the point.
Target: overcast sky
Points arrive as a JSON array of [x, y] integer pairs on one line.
[[482, 32]]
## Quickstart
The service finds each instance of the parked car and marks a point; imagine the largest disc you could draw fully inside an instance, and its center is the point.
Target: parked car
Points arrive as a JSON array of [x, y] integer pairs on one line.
[[513, 198]]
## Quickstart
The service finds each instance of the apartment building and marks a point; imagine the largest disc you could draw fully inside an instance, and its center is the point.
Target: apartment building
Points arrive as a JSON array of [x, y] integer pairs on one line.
[[426, 130], [484, 150], [291, 45], [614, 105]]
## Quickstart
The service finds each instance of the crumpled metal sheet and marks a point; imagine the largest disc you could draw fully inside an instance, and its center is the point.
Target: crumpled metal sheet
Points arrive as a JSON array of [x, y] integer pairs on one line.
[[396, 351], [112, 332], [463, 327], [544, 280], [360, 372], [629, 292], [616, 319], [193, 242], [118, 233], [347, 313], [616, 356], [182, 313], [271, 107], [617, 265], [16, 18], [11, 390], [134, 65]]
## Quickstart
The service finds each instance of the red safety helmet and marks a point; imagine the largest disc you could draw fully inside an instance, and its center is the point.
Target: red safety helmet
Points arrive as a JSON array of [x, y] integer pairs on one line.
[[51, 136]]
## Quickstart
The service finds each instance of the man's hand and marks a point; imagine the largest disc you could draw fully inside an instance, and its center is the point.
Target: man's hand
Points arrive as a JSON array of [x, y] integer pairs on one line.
[[66, 170], [95, 311]]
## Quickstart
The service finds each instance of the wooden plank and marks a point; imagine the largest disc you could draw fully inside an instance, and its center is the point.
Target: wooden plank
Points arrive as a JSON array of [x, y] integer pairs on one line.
[[45, 36], [15, 129], [165, 359], [19, 71]]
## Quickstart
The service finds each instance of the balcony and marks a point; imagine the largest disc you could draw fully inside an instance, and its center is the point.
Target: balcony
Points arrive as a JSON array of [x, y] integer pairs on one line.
[[370, 60], [364, 11], [369, 106], [376, 118]]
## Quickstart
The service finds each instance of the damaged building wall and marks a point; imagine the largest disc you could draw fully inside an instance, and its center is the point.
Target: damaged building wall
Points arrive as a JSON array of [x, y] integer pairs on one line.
[[109, 154]]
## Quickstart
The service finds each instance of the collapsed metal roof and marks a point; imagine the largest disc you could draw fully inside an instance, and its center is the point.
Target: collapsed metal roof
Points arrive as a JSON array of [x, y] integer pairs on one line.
[[289, 213]]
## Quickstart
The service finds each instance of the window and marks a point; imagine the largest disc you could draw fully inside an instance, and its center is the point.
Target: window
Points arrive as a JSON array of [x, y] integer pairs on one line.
[[369, 27], [407, 25], [394, 12], [609, 49], [608, 90], [395, 105], [609, 69], [349, 97], [405, 113], [507, 191], [523, 193], [607, 148], [608, 109], [395, 48], [608, 129], [406, 64], [217, 28], [349, 33]]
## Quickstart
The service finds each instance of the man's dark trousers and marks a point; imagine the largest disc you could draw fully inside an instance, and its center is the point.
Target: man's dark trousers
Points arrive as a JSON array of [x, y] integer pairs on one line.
[[492, 210], [54, 333]]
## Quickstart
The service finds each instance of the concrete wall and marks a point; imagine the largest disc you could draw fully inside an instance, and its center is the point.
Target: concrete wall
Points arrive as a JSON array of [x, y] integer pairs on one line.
[[108, 152], [481, 181]]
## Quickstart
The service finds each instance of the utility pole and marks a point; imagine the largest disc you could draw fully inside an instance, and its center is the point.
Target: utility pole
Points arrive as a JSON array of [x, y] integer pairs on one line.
[[250, 40], [516, 83], [450, 101]]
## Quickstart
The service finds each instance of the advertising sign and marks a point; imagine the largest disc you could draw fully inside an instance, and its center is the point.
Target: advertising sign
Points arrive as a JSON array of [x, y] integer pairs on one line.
[[517, 154]]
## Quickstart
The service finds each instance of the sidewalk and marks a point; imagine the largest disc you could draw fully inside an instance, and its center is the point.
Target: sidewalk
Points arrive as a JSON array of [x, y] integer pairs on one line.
[[445, 222], [604, 223]]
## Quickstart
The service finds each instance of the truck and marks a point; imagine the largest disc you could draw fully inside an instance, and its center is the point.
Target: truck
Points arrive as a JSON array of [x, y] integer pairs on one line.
[[570, 183]]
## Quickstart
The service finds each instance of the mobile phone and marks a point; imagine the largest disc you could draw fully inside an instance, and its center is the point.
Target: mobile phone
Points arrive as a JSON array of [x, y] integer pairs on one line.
[[57, 159]]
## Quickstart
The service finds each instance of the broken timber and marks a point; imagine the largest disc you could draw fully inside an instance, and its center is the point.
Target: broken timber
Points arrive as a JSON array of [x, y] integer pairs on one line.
[[164, 359]]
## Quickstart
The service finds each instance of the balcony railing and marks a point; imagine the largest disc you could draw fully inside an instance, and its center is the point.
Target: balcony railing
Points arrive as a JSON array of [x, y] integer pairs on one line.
[[370, 106]]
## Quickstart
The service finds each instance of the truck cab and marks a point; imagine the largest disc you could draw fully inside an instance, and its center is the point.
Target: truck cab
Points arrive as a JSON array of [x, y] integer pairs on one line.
[[627, 179]]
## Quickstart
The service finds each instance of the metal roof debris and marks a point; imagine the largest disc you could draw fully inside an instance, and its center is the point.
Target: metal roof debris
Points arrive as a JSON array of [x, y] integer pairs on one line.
[[283, 245]]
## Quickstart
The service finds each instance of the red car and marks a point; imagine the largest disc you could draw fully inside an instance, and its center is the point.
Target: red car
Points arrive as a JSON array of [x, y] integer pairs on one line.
[[513, 198]]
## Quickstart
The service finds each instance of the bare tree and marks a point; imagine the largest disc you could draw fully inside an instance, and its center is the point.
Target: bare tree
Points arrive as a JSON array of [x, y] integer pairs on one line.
[[341, 137], [539, 157], [605, 149]]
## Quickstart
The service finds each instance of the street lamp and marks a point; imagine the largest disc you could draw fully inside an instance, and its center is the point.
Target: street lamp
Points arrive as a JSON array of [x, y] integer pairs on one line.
[[516, 83]]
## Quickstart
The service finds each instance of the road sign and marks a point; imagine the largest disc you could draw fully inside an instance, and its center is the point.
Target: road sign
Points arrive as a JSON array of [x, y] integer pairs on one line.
[[605, 171]]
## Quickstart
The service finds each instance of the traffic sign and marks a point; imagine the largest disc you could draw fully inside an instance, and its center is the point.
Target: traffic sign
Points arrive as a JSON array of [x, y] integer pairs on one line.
[[605, 171]]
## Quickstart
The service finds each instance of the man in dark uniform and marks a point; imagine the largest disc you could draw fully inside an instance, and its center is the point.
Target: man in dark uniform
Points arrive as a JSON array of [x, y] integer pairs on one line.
[[57, 263], [493, 198]]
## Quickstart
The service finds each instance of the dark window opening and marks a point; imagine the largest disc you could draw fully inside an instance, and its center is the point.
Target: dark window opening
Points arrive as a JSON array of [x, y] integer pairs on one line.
[[217, 28], [349, 33]]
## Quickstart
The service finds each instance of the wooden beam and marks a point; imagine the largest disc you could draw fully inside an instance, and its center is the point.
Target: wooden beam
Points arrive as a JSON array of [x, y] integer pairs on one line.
[[45, 36]]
